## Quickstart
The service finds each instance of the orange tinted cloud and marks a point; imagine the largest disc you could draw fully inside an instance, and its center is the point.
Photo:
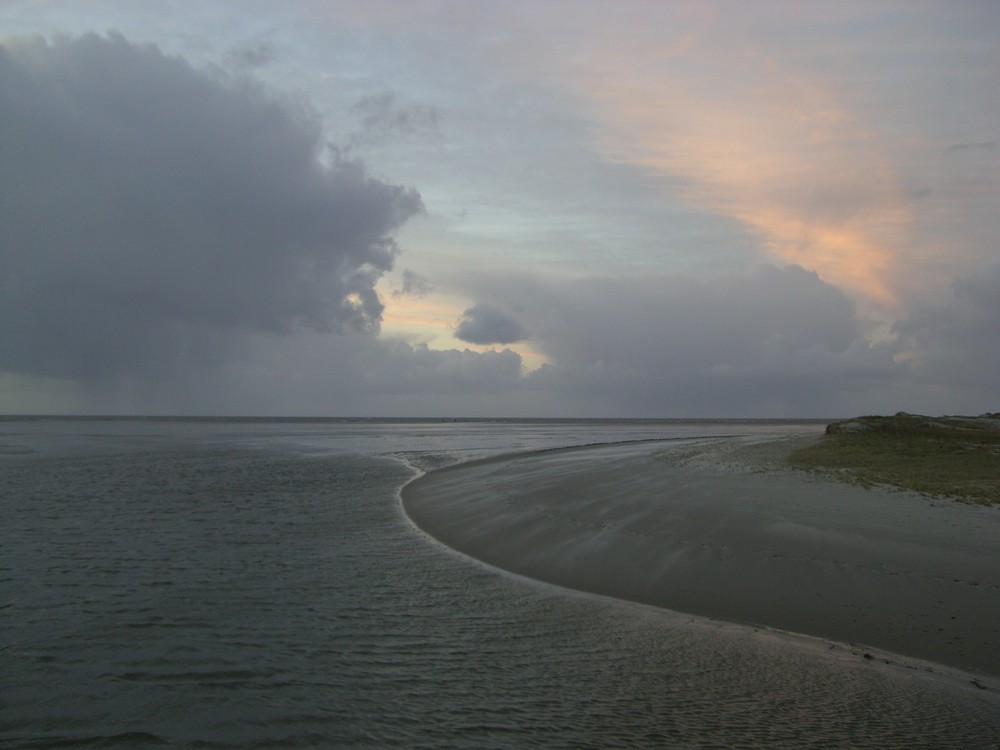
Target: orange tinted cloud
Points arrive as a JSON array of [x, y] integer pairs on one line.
[[731, 131]]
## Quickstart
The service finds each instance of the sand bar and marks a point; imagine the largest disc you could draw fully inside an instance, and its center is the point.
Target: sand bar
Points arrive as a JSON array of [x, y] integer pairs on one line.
[[714, 528]]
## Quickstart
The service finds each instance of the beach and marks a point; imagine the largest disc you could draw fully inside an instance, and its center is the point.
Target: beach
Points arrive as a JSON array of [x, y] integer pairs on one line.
[[721, 528], [235, 583]]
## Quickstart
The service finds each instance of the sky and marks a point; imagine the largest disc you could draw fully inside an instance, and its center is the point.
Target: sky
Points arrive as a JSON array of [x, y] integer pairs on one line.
[[545, 208]]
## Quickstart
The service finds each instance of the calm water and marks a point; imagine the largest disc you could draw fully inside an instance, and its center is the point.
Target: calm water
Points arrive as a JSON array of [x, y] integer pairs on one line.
[[255, 584]]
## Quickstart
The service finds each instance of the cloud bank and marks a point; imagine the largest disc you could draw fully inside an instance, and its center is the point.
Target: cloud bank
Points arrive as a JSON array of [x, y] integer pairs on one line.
[[955, 341], [152, 213], [176, 240], [766, 341]]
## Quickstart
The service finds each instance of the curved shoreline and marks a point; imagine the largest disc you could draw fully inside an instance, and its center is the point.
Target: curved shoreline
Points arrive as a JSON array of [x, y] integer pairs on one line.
[[710, 527]]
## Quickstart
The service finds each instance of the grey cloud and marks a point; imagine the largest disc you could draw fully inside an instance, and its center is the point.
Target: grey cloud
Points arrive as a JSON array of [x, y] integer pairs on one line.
[[956, 341], [314, 374], [150, 214], [768, 341], [421, 370], [685, 322], [978, 146], [383, 118], [352, 374], [414, 285], [253, 54], [486, 324]]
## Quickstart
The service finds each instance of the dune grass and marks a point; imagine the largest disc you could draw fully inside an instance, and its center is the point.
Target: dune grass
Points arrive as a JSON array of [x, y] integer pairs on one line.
[[955, 457]]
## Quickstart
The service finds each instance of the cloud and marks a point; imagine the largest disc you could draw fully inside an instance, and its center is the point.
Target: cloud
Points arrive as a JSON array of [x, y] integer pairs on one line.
[[737, 112], [767, 341], [485, 324], [770, 340], [311, 374], [414, 285], [420, 370], [254, 54], [384, 118], [954, 342], [980, 146], [152, 214], [784, 157]]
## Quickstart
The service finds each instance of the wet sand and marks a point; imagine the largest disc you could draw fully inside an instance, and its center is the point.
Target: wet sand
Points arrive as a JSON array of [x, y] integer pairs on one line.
[[718, 528]]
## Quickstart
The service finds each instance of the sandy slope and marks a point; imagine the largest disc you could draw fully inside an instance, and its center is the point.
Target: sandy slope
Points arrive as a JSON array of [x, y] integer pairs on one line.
[[718, 528]]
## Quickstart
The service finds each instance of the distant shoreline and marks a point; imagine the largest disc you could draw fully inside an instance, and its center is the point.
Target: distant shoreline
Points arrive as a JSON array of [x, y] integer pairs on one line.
[[950, 457], [403, 420]]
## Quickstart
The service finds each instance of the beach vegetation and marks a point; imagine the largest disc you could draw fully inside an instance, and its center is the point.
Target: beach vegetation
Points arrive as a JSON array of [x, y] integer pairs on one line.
[[954, 457]]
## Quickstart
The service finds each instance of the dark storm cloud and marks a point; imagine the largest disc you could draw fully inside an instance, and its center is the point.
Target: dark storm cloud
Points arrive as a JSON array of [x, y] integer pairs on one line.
[[485, 324], [361, 375], [956, 341], [420, 370], [765, 341], [149, 213]]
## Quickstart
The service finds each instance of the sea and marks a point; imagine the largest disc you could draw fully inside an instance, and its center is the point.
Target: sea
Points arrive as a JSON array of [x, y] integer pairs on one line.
[[255, 583]]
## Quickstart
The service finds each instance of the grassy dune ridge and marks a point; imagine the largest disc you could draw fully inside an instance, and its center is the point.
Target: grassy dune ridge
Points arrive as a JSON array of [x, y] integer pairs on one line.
[[955, 457]]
